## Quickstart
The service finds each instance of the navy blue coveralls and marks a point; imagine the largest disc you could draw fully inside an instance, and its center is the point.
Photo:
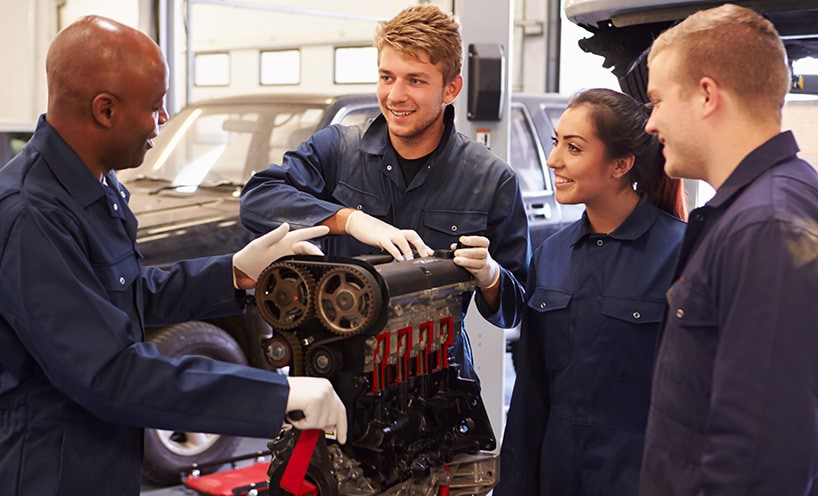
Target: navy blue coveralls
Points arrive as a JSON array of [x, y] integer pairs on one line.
[[464, 189], [77, 382], [587, 343], [735, 394]]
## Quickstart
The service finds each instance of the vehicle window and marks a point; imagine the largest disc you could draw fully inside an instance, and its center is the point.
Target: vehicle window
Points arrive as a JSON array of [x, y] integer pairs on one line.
[[17, 141], [525, 155], [225, 144], [11, 143], [216, 149], [553, 115], [290, 129], [357, 116]]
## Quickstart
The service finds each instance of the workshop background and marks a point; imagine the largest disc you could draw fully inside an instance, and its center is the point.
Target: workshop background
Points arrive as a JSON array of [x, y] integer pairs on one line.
[[218, 48]]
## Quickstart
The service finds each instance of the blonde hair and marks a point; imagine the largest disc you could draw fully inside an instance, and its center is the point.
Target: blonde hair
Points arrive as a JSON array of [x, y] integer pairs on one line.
[[737, 48], [426, 29]]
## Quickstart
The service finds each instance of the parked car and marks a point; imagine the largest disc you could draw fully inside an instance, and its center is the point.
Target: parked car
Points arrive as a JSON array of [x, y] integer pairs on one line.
[[186, 198], [13, 137], [622, 31]]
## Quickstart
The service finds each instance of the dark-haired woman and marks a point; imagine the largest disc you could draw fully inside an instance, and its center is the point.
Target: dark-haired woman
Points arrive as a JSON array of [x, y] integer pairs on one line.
[[595, 299]]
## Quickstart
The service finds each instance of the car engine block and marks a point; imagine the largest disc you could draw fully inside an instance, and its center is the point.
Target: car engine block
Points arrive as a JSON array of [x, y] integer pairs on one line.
[[380, 331]]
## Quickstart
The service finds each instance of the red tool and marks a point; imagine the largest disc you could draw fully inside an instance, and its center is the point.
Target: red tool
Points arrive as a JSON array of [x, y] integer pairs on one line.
[[292, 480]]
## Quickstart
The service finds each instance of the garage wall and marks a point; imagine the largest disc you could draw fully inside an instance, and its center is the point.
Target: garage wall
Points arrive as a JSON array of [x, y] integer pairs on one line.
[[31, 25], [25, 31], [126, 12], [242, 32], [799, 116], [27, 27], [315, 77], [316, 27]]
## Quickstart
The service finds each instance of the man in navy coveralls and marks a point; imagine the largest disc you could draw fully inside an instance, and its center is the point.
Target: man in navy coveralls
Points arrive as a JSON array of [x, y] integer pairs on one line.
[[734, 407], [77, 381]]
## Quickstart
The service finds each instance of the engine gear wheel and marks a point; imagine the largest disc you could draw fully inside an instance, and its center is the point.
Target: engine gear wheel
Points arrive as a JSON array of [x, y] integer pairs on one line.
[[284, 294], [283, 349], [348, 301], [323, 361]]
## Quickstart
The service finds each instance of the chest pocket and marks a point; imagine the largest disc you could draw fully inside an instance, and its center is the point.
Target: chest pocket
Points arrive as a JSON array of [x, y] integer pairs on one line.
[[118, 280], [626, 344], [351, 197], [118, 277], [444, 227], [690, 307], [549, 314]]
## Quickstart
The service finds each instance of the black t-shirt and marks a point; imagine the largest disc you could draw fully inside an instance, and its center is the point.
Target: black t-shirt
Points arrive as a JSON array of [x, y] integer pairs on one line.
[[410, 167]]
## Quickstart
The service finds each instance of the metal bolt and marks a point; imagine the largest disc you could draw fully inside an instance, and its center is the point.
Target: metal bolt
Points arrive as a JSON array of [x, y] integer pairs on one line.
[[465, 425], [278, 351]]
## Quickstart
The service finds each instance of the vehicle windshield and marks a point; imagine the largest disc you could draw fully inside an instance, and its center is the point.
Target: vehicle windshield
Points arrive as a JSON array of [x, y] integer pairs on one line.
[[224, 145]]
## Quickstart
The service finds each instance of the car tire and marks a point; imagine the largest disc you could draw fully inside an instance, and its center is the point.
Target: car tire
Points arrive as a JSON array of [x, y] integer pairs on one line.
[[635, 80], [169, 453]]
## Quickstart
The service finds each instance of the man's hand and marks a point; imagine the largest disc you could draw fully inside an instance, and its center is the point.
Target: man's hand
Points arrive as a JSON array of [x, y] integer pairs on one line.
[[261, 252], [322, 408], [374, 232], [475, 258]]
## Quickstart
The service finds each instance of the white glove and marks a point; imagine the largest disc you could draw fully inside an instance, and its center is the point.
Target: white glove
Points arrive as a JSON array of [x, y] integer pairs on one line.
[[322, 408], [374, 232], [475, 258], [279, 242]]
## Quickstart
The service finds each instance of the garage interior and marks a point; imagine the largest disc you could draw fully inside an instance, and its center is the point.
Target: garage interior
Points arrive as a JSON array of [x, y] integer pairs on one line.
[[229, 48]]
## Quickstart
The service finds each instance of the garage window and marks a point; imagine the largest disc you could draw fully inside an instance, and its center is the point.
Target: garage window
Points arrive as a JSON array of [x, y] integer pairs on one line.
[[355, 65], [212, 69], [279, 67]]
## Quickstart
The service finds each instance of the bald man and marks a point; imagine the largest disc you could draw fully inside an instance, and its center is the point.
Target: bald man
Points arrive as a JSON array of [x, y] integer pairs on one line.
[[77, 382]]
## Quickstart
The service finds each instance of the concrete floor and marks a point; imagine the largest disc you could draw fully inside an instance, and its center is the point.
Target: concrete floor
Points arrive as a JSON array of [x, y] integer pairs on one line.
[[252, 445]]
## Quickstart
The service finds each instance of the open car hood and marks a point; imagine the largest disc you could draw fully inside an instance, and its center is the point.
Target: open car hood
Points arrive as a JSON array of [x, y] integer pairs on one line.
[[170, 209]]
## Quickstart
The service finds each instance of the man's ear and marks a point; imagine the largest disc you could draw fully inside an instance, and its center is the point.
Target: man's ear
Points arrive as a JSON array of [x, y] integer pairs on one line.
[[103, 109], [711, 97], [453, 89], [622, 165]]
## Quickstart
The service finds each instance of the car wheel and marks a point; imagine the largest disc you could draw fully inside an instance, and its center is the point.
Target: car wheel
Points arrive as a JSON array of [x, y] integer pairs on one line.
[[168, 453]]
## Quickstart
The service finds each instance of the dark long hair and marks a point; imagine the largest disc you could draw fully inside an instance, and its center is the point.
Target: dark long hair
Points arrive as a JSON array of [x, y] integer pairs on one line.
[[619, 122]]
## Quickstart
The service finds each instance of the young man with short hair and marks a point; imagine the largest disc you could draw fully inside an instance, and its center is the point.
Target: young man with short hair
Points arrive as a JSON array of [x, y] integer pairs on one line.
[[409, 168], [733, 407]]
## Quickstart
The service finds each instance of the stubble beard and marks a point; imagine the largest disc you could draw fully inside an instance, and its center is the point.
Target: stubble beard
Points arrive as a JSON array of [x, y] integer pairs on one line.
[[417, 133]]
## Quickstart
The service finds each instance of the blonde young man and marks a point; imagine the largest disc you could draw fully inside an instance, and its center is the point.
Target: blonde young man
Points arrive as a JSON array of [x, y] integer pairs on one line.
[[407, 181], [734, 405]]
